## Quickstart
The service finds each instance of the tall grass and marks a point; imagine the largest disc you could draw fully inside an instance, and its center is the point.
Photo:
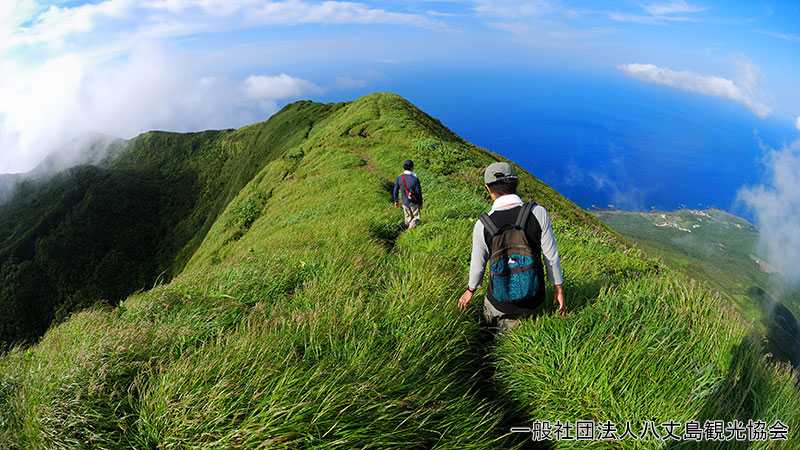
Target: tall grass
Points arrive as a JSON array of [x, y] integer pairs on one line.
[[308, 319]]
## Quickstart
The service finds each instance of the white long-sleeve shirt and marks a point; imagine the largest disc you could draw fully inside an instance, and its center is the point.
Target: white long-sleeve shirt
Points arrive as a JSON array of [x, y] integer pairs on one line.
[[480, 251]]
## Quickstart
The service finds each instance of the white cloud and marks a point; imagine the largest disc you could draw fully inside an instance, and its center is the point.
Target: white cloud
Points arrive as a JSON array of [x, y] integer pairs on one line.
[[648, 19], [512, 9], [551, 35], [672, 7], [105, 66], [776, 205], [297, 11], [703, 84], [170, 18], [48, 105], [797, 123], [15, 12], [434, 13], [54, 24], [749, 76], [519, 29], [12, 14], [628, 197], [661, 13], [350, 83], [789, 37], [277, 87], [267, 90]]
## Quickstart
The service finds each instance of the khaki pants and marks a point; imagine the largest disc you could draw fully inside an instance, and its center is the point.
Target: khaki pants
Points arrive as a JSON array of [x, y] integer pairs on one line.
[[411, 215]]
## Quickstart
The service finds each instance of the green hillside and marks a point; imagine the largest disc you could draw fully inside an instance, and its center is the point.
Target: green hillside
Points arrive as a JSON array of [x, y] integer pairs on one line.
[[718, 246], [98, 233], [298, 314]]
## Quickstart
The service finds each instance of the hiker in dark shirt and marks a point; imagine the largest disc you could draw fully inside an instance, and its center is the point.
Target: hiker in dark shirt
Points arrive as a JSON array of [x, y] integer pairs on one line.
[[524, 234], [407, 192]]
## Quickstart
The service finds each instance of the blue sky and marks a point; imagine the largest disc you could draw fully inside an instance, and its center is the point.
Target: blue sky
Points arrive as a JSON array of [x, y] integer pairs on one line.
[[124, 66]]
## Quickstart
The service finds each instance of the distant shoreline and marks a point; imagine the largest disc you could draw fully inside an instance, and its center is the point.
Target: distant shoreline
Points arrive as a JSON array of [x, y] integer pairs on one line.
[[598, 210]]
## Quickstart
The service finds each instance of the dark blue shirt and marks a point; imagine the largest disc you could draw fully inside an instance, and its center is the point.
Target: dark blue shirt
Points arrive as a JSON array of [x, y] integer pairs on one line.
[[407, 180]]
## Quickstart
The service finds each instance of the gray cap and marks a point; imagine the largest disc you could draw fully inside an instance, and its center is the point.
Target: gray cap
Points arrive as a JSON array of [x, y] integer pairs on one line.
[[499, 171]]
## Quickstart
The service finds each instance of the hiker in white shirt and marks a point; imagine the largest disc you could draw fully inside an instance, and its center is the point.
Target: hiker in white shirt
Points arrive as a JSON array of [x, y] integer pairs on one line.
[[525, 235]]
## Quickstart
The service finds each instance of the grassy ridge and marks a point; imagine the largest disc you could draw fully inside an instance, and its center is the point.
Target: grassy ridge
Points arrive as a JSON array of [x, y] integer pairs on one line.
[[306, 318]]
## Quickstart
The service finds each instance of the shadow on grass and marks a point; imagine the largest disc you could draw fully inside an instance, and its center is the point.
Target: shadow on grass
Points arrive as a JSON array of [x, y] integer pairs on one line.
[[513, 414], [783, 335], [740, 396], [783, 328], [580, 292], [386, 233]]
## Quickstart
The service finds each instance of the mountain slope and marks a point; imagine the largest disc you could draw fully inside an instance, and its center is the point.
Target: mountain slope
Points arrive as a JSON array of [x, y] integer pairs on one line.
[[304, 317], [99, 233]]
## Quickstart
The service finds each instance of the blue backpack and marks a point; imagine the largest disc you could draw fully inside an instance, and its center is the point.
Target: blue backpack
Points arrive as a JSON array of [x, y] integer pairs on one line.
[[513, 273]]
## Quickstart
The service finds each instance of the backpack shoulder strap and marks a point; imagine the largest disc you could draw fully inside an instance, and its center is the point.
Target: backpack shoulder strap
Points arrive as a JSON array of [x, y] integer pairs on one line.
[[488, 223], [524, 214]]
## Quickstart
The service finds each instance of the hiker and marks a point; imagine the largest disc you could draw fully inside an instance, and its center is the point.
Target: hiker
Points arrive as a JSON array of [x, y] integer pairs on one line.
[[407, 185], [512, 237]]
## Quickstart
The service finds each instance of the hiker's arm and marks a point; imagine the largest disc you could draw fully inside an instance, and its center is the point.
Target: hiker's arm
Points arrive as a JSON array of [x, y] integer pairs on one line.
[[419, 192], [550, 252], [477, 264], [480, 254], [549, 246], [395, 188]]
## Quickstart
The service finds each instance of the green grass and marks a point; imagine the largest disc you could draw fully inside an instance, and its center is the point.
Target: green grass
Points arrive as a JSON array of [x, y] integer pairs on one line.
[[305, 318]]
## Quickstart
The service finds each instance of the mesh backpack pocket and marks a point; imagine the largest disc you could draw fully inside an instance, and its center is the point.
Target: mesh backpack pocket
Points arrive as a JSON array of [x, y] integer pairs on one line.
[[513, 274]]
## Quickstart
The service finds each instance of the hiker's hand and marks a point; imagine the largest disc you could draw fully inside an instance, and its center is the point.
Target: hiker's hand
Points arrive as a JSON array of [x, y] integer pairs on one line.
[[466, 297], [558, 299]]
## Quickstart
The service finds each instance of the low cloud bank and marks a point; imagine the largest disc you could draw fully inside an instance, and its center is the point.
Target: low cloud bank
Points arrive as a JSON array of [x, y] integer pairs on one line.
[[49, 105], [776, 206]]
